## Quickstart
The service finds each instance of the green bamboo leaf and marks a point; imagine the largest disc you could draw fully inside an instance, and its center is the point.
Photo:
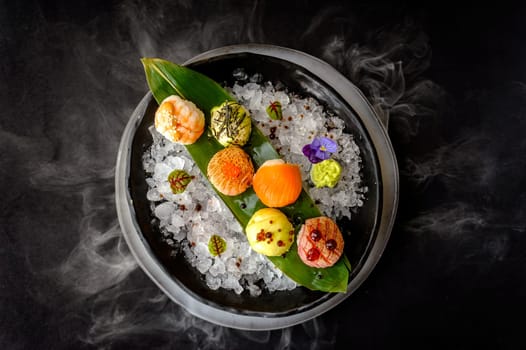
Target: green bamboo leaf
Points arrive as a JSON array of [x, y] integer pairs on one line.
[[166, 78]]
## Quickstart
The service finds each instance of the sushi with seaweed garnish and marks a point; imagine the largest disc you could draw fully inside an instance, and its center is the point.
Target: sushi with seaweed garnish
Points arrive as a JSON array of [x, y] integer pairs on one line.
[[230, 124]]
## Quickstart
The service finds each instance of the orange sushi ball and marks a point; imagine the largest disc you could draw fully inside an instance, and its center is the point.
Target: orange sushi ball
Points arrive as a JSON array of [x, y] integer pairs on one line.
[[231, 171], [277, 183]]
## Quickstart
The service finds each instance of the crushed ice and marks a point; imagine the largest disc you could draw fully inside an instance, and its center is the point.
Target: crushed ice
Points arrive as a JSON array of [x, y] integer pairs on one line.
[[188, 220]]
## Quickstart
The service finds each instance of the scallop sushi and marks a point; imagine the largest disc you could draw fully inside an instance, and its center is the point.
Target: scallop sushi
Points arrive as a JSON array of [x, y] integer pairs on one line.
[[320, 242], [277, 184]]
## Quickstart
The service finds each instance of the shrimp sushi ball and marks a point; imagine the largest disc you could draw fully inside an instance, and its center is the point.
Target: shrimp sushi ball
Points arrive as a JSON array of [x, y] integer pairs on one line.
[[179, 120]]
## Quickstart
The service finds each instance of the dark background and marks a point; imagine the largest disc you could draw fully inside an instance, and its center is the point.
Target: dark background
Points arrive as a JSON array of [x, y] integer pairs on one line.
[[451, 79]]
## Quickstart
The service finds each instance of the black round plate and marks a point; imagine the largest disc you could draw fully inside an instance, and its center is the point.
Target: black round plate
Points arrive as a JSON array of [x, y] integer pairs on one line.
[[369, 228]]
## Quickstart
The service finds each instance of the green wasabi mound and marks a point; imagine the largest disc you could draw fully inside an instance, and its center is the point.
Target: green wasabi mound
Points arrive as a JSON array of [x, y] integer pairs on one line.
[[326, 173]]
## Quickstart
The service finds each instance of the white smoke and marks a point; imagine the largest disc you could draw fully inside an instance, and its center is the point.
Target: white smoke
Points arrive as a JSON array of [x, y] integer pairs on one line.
[[389, 73], [101, 287], [478, 205]]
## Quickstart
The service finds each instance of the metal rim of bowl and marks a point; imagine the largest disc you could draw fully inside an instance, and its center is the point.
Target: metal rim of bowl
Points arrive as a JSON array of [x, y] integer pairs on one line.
[[390, 192]]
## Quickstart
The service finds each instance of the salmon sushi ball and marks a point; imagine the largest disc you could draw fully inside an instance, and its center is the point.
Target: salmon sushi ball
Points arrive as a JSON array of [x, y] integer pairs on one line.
[[278, 184]]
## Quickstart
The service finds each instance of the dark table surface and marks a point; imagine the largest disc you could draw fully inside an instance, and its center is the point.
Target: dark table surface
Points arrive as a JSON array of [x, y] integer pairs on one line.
[[452, 79]]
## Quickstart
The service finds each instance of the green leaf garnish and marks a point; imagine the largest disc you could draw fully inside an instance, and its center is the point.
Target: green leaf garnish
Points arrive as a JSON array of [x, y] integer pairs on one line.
[[179, 180], [216, 245], [274, 111]]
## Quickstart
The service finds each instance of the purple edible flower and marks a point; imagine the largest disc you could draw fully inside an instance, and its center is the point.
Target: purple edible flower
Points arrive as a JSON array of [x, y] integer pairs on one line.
[[320, 149]]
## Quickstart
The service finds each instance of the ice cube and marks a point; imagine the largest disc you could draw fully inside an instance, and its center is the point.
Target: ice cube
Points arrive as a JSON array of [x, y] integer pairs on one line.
[[164, 210]]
